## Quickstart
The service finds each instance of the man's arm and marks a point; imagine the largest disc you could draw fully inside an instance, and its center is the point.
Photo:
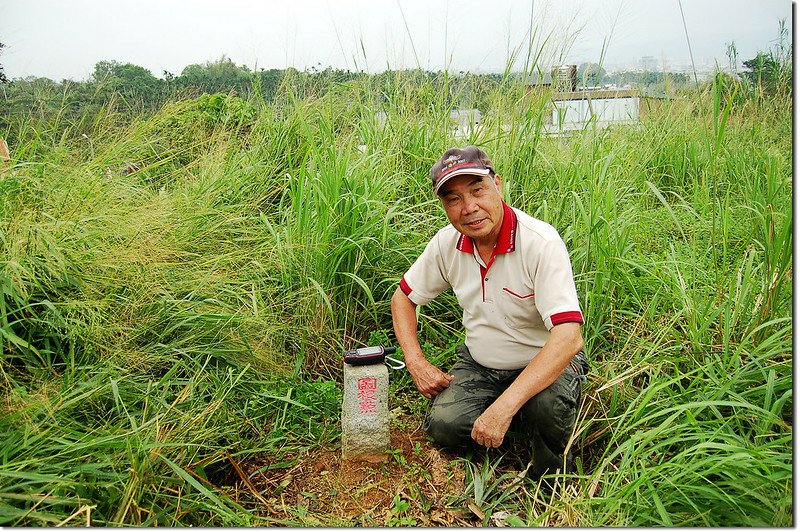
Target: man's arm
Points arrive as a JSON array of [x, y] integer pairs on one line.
[[429, 379], [564, 343]]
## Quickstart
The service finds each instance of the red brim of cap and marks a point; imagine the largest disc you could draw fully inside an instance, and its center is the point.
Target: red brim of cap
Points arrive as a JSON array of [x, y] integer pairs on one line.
[[460, 171]]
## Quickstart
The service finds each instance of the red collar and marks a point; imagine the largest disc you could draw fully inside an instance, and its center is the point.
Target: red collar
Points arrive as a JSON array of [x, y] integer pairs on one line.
[[505, 240]]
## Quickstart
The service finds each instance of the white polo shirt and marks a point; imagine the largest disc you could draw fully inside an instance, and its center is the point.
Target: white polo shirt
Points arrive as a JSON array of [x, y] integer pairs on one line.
[[511, 303]]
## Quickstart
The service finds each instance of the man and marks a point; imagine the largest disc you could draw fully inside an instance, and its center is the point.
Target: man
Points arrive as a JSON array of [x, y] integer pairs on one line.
[[522, 360]]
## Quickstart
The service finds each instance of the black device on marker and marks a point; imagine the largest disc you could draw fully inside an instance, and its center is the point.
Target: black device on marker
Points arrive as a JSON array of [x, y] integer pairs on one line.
[[364, 356]]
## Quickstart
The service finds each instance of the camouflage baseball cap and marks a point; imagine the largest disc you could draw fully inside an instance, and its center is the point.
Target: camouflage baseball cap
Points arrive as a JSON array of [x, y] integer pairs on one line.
[[460, 161]]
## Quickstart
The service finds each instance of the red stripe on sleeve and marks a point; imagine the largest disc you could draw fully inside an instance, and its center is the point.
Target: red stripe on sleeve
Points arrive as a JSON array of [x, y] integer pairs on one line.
[[404, 286], [566, 317]]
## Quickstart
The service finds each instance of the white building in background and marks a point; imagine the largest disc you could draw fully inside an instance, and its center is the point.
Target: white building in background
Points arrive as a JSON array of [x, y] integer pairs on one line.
[[576, 110], [570, 109]]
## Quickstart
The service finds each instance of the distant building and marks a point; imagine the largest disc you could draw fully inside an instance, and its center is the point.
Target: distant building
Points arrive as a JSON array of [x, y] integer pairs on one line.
[[648, 63], [576, 110], [565, 78], [569, 109]]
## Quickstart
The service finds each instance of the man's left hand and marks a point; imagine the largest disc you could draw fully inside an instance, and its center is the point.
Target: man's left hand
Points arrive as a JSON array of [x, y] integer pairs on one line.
[[490, 428]]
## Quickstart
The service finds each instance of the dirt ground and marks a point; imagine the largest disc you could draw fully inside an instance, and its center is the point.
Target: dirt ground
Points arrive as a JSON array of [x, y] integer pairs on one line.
[[414, 486]]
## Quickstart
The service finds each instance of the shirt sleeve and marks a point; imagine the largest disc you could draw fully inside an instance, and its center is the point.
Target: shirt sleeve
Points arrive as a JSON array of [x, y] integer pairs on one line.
[[426, 278], [554, 285]]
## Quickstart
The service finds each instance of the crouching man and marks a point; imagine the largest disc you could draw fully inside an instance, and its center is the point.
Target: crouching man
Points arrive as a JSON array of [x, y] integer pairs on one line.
[[522, 361]]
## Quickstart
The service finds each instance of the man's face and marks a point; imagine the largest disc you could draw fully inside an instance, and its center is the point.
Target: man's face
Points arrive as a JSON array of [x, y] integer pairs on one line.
[[474, 206]]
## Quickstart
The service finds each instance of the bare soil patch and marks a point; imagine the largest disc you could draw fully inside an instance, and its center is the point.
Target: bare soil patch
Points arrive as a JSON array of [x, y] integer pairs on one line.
[[413, 486]]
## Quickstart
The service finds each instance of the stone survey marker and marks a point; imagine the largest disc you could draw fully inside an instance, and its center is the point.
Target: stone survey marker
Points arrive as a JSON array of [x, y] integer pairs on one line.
[[365, 413]]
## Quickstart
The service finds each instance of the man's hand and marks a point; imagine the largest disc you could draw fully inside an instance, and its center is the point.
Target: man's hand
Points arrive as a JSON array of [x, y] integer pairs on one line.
[[490, 428], [564, 342], [429, 379]]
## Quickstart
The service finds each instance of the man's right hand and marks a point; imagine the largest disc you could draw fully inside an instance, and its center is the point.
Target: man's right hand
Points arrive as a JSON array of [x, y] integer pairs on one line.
[[429, 379]]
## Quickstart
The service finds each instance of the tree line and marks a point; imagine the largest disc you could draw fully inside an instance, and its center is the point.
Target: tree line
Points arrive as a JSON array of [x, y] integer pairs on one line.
[[142, 90], [131, 89]]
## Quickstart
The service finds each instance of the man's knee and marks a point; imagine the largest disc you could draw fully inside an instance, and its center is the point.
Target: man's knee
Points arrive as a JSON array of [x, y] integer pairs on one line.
[[447, 428], [455, 409], [554, 410]]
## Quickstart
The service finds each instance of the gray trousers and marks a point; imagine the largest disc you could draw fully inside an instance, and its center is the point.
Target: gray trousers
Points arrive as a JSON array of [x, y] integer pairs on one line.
[[546, 420]]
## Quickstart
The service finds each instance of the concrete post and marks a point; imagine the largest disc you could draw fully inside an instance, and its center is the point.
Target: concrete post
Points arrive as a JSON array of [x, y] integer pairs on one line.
[[365, 413]]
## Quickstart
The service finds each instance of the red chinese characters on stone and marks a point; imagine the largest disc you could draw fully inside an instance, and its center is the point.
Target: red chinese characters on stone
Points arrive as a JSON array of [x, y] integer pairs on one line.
[[367, 400]]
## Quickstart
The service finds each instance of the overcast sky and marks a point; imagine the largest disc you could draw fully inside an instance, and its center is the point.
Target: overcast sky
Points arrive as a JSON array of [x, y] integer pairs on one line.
[[64, 39]]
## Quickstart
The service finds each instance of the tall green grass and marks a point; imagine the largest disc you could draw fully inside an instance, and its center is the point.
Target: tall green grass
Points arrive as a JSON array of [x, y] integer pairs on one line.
[[158, 322]]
